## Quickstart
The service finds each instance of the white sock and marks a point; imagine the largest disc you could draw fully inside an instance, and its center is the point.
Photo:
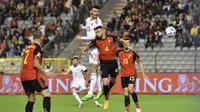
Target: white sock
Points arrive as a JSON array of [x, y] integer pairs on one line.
[[76, 96], [93, 82], [97, 103], [99, 82]]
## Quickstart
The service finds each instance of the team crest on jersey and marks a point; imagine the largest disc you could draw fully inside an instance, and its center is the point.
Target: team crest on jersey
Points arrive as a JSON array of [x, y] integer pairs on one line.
[[109, 42], [129, 56]]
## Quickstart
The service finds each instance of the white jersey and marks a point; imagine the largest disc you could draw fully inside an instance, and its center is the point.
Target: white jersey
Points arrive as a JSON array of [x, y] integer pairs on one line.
[[77, 72], [90, 25]]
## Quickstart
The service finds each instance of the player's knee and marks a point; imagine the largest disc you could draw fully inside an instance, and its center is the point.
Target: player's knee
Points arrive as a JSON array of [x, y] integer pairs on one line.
[[126, 93], [130, 90], [105, 81], [93, 74], [31, 97], [46, 93], [113, 79], [93, 68]]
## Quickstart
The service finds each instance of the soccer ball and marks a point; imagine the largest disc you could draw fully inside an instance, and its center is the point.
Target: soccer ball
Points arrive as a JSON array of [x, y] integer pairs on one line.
[[170, 31]]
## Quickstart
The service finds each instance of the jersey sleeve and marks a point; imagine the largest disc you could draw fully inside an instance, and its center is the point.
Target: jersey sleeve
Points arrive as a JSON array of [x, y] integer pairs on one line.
[[37, 52], [69, 71], [117, 53], [84, 69], [136, 57], [116, 38], [92, 43], [87, 38], [99, 22]]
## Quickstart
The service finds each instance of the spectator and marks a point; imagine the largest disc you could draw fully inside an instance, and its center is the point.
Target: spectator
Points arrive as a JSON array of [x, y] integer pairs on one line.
[[150, 41], [111, 25], [178, 41], [185, 42], [48, 67], [158, 36]]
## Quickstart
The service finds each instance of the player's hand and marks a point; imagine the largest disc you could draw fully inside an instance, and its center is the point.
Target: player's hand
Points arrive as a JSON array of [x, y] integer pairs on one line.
[[51, 74], [84, 51], [78, 37], [144, 76], [81, 26]]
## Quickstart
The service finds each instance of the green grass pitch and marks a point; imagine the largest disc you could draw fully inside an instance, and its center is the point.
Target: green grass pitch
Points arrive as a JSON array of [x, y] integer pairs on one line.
[[67, 103]]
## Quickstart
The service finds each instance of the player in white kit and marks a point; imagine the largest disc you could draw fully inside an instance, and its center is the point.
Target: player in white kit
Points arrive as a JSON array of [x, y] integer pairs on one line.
[[77, 70], [92, 22]]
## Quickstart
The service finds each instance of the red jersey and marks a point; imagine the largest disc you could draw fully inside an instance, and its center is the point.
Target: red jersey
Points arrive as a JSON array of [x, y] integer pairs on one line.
[[29, 72], [127, 62], [106, 47]]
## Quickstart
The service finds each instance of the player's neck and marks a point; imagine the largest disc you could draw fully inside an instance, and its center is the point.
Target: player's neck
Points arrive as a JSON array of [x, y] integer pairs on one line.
[[127, 49], [103, 36], [75, 65], [92, 18]]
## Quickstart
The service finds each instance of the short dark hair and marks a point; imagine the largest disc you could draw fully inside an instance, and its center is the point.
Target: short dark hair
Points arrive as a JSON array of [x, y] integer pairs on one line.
[[98, 27], [128, 39], [96, 7], [37, 35], [75, 58]]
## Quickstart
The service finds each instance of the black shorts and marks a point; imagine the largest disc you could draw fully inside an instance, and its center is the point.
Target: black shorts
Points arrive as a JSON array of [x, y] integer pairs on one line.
[[34, 85], [109, 68], [125, 81]]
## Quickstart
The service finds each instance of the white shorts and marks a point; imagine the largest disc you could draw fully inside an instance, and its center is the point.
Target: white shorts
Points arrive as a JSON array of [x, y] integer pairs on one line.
[[79, 85], [94, 56]]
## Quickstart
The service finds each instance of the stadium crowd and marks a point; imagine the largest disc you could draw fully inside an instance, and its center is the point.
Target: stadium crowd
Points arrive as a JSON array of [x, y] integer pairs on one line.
[[19, 18], [148, 19]]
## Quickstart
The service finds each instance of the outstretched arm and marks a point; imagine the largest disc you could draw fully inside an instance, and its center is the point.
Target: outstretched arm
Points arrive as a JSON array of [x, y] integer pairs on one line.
[[83, 38], [142, 70]]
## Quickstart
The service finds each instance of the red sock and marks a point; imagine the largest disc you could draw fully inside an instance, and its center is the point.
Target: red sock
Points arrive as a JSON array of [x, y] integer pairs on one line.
[[137, 105], [127, 108]]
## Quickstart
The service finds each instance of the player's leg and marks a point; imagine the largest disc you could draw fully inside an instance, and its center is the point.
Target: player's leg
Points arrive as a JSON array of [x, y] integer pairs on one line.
[[99, 84], [76, 96], [113, 75], [131, 89], [83, 88], [93, 77], [41, 87], [29, 90], [124, 83], [105, 74], [30, 103]]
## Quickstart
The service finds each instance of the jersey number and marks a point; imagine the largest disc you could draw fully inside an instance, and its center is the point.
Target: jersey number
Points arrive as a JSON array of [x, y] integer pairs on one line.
[[125, 61], [132, 78], [26, 53], [106, 49]]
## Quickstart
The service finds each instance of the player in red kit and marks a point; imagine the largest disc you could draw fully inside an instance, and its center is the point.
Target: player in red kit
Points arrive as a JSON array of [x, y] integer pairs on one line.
[[30, 78], [127, 58], [107, 55]]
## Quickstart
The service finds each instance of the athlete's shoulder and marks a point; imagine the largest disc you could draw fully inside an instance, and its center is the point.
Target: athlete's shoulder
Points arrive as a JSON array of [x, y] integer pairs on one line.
[[99, 19], [119, 51], [88, 18], [71, 67], [81, 66]]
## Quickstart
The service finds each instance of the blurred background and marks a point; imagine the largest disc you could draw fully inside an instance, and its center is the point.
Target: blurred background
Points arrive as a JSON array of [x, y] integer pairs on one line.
[[144, 21], [171, 63]]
